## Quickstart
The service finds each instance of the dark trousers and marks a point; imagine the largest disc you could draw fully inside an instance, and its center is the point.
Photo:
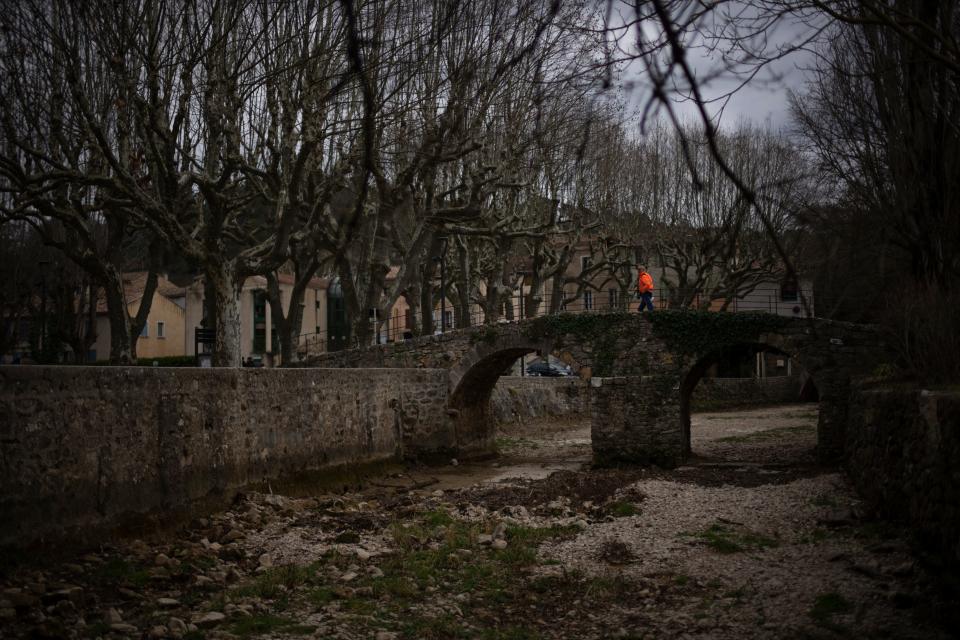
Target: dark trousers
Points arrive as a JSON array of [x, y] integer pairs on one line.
[[646, 300]]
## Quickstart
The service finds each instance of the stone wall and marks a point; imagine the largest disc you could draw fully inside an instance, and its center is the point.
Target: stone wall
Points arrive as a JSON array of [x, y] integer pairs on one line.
[[636, 420], [518, 399], [83, 447], [714, 394], [903, 454]]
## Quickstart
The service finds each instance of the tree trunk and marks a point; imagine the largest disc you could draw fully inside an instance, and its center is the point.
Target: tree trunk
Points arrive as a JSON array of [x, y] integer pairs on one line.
[[287, 326], [556, 293], [533, 299], [463, 287], [426, 304], [294, 324], [122, 350], [491, 311], [226, 295]]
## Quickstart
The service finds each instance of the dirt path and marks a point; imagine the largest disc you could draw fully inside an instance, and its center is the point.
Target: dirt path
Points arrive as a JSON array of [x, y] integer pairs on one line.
[[750, 540]]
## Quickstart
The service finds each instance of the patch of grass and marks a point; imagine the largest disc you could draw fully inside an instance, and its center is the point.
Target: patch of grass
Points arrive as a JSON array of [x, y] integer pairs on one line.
[[267, 623], [809, 414], [321, 596], [622, 509], [452, 562], [876, 530], [510, 633], [437, 519], [96, 630], [681, 580], [819, 534], [275, 582], [828, 605], [724, 539], [510, 443], [347, 537], [436, 628], [770, 434], [738, 593], [824, 500], [434, 553], [120, 571], [538, 535]]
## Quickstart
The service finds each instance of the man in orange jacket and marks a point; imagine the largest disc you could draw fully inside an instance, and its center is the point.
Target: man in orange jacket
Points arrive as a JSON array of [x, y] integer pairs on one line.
[[644, 288]]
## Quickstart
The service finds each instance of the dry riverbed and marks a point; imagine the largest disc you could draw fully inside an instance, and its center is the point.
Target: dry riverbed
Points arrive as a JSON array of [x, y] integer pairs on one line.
[[750, 540]]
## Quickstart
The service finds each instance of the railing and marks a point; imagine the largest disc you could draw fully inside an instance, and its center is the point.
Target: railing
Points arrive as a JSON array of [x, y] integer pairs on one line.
[[394, 329]]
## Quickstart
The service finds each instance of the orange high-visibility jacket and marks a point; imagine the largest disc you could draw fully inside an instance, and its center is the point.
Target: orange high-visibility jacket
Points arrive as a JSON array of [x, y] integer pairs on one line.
[[644, 282]]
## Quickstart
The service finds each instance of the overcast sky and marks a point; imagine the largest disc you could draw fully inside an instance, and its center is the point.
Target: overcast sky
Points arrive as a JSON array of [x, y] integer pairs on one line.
[[763, 99]]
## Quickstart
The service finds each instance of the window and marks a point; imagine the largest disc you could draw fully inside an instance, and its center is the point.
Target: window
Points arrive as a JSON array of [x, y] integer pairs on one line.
[[588, 299], [316, 329], [145, 331], [448, 316], [585, 262], [318, 307], [259, 321], [160, 329], [789, 290], [613, 298]]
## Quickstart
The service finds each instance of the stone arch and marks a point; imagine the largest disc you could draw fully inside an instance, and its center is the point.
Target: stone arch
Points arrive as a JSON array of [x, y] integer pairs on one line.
[[471, 384], [691, 376]]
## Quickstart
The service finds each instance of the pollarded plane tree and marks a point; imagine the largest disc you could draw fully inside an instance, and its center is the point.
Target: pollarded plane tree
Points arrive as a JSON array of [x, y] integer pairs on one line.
[[68, 140], [543, 107], [439, 159], [220, 113], [689, 220]]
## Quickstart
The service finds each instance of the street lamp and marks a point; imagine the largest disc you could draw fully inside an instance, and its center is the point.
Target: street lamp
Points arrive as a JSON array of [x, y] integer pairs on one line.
[[442, 259]]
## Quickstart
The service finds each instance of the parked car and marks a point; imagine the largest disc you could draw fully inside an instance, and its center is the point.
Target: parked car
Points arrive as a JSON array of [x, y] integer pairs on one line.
[[546, 370]]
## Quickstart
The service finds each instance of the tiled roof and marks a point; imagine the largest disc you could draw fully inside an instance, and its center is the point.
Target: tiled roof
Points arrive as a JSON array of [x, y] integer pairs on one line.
[[134, 283], [285, 278]]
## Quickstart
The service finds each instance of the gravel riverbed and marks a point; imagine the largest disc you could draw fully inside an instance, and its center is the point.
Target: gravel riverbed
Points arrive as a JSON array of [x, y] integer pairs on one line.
[[751, 539]]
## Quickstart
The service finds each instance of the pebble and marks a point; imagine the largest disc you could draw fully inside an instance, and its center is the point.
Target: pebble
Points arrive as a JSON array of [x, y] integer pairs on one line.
[[232, 535], [500, 543], [112, 616], [168, 602], [20, 598], [38, 587], [65, 608], [122, 627], [161, 560], [363, 554], [209, 619], [177, 626]]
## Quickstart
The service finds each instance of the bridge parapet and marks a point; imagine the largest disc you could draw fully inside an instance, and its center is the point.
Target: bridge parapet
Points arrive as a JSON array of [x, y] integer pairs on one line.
[[663, 354]]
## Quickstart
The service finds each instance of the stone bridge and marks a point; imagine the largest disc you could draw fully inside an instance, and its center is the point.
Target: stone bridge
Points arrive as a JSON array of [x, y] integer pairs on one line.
[[642, 371]]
